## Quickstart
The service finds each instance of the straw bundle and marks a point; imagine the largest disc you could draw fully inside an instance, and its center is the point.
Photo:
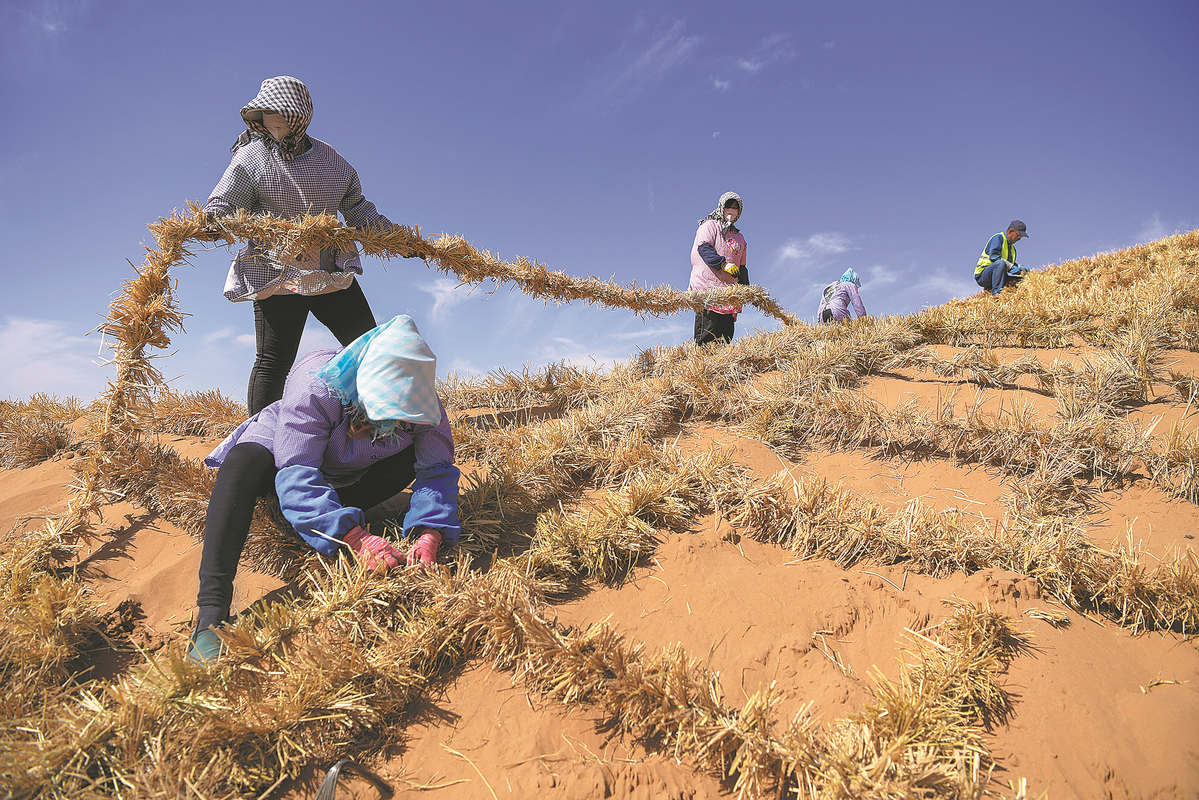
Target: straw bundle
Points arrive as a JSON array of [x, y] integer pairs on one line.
[[35, 430], [818, 521], [922, 737], [454, 255], [196, 413]]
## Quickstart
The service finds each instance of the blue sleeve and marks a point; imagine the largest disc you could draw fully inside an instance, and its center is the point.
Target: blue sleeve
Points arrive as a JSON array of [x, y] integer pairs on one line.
[[311, 505], [434, 503], [995, 247], [708, 253]]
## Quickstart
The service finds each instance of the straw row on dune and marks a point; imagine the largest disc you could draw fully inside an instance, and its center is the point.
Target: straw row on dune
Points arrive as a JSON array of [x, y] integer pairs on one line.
[[582, 493]]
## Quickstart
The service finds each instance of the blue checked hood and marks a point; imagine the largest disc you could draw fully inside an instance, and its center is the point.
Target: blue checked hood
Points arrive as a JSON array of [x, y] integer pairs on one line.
[[390, 374]]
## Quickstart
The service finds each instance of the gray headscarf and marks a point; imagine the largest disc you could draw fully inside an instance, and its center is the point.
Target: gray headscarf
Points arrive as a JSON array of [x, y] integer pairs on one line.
[[289, 98], [718, 214]]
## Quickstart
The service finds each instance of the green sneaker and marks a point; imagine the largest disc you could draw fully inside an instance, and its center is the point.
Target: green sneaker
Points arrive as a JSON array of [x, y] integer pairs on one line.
[[205, 646]]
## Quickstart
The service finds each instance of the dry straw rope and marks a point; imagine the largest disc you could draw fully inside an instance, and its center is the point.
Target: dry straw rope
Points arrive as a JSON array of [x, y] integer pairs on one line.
[[454, 255]]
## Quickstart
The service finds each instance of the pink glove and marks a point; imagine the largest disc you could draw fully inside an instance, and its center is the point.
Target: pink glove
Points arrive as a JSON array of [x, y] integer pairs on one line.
[[425, 550], [373, 551]]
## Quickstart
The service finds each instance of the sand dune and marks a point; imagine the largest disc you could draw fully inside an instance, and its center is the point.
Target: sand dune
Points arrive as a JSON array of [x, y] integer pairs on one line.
[[819, 610]]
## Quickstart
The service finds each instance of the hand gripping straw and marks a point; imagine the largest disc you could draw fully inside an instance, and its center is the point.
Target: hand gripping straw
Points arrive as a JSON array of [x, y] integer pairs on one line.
[[425, 550], [373, 551]]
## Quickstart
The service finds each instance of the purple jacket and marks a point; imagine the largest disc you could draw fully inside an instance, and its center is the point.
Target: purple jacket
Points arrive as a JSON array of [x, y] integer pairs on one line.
[[307, 431], [843, 293]]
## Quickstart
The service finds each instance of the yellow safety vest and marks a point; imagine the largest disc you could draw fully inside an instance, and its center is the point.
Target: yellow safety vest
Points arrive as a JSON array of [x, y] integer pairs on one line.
[[1006, 252]]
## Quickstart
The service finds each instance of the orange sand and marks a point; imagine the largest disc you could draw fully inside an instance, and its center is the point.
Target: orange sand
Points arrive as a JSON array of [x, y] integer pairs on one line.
[[1098, 712]]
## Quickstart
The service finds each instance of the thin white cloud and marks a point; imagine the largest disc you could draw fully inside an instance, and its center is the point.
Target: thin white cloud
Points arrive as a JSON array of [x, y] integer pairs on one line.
[[447, 293], [520, 313], [1152, 230], [720, 85], [815, 248], [771, 50], [939, 286], [39, 355], [32, 31], [47, 18], [1156, 228], [644, 61], [882, 276], [658, 331], [649, 191], [585, 355], [317, 338], [227, 338], [464, 367], [221, 335]]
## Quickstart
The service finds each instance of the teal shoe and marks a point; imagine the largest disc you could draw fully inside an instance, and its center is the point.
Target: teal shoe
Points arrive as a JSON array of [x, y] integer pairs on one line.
[[205, 646]]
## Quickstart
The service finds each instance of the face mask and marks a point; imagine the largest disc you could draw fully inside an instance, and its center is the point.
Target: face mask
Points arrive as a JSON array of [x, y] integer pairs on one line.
[[275, 125]]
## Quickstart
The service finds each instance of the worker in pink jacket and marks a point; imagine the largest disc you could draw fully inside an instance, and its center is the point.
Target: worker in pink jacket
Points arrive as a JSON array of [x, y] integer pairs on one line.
[[717, 261]]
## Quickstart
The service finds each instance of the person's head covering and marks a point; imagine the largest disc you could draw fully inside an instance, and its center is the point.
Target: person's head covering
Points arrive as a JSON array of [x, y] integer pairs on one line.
[[1019, 227], [289, 98], [718, 214], [852, 277], [389, 374]]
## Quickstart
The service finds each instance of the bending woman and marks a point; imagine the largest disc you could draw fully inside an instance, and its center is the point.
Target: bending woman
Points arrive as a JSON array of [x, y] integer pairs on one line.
[[354, 428]]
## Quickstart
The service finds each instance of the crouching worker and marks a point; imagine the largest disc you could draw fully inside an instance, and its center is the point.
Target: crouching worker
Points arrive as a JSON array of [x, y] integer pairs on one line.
[[354, 427], [997, 265], [837, 297]]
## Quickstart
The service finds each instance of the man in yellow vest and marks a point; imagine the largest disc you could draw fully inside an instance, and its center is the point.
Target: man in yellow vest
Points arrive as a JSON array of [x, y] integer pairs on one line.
[[997, 265]]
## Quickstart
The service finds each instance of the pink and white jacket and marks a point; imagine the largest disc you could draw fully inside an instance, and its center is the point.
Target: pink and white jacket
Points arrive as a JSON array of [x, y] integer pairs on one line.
[[731, 247]]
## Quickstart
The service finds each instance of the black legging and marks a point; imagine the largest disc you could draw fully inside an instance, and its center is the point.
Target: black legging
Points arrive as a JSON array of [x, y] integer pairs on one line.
[[711, 326], [279, 324], [247, 473]]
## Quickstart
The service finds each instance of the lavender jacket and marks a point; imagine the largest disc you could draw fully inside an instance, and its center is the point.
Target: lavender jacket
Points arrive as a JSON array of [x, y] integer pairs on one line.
[[845, 293], [307, 431]]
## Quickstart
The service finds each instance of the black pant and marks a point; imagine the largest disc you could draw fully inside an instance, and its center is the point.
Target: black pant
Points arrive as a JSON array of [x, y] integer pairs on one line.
[[248, 473], [711, 326], [279, 324]]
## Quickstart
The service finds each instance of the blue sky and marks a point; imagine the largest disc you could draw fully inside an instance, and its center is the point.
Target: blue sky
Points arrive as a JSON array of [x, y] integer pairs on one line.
[[893, 138]]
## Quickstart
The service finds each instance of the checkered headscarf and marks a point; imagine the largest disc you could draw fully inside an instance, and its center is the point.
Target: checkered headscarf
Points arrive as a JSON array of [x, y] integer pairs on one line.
[[718, 214], [388, 373], [285, 96]]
